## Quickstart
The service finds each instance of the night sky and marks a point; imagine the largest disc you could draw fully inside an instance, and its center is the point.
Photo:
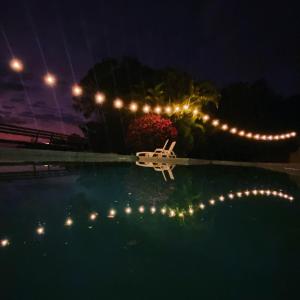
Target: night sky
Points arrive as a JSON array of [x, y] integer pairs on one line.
[[223, 41]]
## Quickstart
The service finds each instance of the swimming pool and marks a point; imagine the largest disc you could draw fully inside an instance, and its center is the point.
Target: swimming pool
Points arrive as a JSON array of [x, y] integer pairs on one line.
[[117, 231]]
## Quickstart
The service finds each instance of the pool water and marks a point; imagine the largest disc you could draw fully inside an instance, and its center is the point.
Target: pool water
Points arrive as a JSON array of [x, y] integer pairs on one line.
[[118, 231]]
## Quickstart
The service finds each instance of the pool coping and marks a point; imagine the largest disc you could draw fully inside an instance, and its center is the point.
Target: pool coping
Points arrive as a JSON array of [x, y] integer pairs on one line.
[[27, 156]]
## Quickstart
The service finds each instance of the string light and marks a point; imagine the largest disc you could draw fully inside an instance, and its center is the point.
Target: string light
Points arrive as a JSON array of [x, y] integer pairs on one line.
[[141, 209], [206, 118], [195, 111], [177, 109], [212, 201], [50, 79], [133, 107], [146, 108], [77, 90], [157, 109], [215, 123], [118, 103], [221, 198], [168, 109], [202, 206], [99, 98], [224, 127], [185, 106], [16, 65]]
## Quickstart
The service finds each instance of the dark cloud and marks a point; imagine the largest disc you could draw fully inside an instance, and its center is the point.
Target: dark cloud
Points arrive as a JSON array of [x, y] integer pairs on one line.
[[6, 106], [11, 120], [49, 117], [39, 104], [11, 86], [17, 99]]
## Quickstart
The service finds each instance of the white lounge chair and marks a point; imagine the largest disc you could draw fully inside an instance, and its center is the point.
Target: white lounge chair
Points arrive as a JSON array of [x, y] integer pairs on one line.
[[160, 152]]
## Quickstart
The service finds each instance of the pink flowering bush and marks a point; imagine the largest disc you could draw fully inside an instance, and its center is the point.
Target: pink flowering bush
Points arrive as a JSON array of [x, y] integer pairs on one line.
[[149, 132]]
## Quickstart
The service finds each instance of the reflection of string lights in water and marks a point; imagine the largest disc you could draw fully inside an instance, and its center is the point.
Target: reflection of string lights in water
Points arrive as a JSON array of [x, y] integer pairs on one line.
[[4, 242], [69, 222], [40, 230], [173, 212], [93, 216]]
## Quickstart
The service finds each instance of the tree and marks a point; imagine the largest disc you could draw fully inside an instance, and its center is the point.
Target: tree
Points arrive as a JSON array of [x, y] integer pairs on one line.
[[130, 80]]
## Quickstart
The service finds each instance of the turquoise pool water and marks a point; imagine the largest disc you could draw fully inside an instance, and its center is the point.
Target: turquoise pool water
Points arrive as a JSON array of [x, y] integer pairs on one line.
[[118, 231]]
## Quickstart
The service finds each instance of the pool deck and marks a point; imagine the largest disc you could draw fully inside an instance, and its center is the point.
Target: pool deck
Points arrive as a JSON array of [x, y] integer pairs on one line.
[[27, 156]]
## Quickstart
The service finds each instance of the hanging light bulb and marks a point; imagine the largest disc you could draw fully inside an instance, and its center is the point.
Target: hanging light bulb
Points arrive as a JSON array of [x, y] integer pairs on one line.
[[215, 123], [233, 130], [50, 79], [118, 103], [99, 98], [16, 65], [168, 109], [206, 118], [157, 109], [146, 108], [133, 107], [77, 90], [224, 127]]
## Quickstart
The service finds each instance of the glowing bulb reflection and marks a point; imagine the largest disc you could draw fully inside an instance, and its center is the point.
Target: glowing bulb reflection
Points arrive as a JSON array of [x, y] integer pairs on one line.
[[69, 222], [4, 243], [133, 107], [118, 103]]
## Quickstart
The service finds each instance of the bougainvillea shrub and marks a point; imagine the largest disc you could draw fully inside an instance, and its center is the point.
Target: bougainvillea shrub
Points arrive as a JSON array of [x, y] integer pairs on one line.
[[149, 131]]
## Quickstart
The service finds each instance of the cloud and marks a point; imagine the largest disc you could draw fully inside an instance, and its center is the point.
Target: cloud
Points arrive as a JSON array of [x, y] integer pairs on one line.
[[17, 99], [39, 104], [11, 86], [66, 118], [6, 106]]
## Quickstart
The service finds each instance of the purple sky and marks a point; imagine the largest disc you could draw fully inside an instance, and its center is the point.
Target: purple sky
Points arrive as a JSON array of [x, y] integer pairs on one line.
[[222, 41]]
